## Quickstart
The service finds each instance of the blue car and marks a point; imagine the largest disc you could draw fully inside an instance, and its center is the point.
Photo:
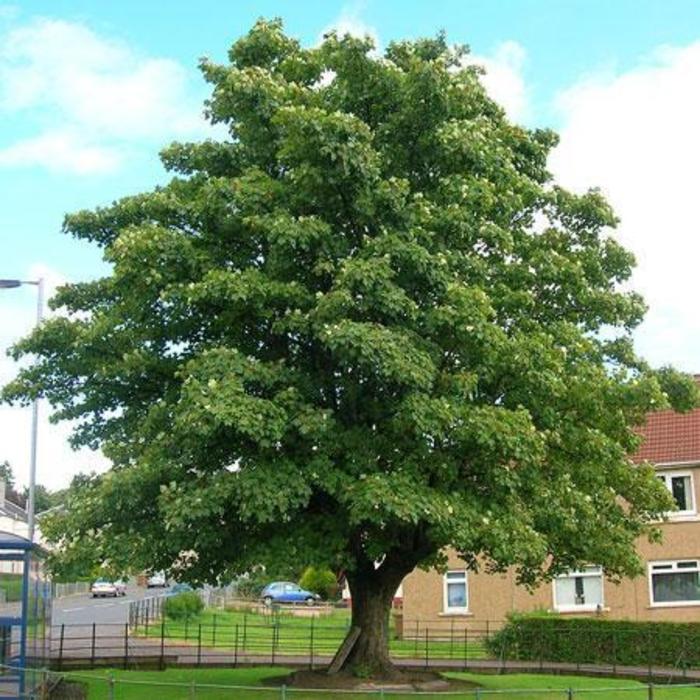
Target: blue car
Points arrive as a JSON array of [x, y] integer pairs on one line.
[[287, 592]]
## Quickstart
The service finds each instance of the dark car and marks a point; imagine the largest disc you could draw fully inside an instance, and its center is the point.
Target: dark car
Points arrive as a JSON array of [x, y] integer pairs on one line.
[[287, 592]]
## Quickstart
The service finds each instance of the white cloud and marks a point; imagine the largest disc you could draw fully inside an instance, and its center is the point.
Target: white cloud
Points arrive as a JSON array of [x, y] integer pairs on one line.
[[61, 151], [56, 461], [635, 134], [504, 78], [350, 21], [88, 94]]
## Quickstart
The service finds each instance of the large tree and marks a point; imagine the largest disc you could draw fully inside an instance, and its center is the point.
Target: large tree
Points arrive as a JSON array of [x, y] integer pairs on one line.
[[364, 327]]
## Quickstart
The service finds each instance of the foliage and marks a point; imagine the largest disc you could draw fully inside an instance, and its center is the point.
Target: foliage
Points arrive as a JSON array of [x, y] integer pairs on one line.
[[363, 328], [596, 640], [320, 580], [183, 606], [250, 584]]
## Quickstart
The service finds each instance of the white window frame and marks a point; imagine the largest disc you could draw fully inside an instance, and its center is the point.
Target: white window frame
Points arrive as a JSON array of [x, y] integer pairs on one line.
[[666, 476], [673, 563], [446, 608], [592, 572]]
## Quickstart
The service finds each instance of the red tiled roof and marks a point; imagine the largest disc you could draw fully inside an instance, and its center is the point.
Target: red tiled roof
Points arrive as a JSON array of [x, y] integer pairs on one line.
[[671, 437]]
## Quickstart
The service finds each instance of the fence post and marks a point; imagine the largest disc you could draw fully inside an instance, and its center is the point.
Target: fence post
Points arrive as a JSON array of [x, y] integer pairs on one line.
[[193, 690], [213, 632], [126, 645], [283, 691], [614, 651], [649, 652], [162, 645], [684, 654], [245, 628], [92, 647], [111, 687], [60, 647], [570, 694], [466, 647], [452, 636], [148, 614], [426, 646], [311, 646], [235, 647], [199, 645], [650, 691], [186, 630], [415, 640], [274, 634]]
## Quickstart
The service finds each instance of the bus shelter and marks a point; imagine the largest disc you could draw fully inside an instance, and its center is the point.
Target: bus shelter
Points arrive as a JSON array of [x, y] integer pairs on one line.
[[25, 618]]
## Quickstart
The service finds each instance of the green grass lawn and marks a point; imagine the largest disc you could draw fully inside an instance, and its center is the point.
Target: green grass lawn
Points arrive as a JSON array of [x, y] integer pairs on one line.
[[152, 685], [252, 632], [12, 585]]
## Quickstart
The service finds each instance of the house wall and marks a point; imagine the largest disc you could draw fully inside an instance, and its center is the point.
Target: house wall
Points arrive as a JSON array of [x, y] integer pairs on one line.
[[493, 596]]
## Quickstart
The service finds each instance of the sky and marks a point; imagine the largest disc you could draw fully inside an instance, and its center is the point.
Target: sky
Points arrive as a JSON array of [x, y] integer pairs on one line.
[[90, 91]]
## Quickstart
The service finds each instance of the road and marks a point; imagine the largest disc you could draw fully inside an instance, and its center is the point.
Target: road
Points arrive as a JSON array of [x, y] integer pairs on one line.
[[84, 610]]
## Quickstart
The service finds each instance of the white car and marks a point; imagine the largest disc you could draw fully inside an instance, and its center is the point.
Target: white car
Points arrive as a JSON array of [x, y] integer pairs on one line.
[[157, 580], [104, 589]]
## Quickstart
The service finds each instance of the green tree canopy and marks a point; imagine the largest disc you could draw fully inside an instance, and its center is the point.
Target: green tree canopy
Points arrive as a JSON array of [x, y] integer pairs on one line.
[[366, 326]]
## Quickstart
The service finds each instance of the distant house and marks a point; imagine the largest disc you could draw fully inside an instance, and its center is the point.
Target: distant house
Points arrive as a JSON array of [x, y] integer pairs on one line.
[[670, 590]]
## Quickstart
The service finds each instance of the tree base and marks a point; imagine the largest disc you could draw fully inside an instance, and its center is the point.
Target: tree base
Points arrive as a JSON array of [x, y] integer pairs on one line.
[[407, 681]]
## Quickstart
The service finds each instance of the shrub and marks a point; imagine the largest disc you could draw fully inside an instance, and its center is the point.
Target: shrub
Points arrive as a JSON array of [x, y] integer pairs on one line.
[[594, 640], [321, 581], [183, 606]]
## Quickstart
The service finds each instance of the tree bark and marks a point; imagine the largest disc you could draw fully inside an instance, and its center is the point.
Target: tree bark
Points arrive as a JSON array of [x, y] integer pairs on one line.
[[372, 593]]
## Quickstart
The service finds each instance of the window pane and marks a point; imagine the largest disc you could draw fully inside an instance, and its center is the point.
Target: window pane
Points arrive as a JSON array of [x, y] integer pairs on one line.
[[680, 488], [579, 590], [456, 575], [456, 595], [593, 590], [566, 591], [676, 587]]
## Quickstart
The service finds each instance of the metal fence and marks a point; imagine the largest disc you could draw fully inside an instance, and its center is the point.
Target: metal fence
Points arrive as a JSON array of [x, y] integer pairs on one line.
[[155, 643], [63, 590], [119, 687]]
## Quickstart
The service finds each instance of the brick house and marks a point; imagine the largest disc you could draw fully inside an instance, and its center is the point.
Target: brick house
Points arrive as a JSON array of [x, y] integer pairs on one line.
[[670, 589]]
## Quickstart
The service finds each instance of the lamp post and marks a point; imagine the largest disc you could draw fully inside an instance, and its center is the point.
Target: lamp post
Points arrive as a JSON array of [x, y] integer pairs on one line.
[[39, 284]]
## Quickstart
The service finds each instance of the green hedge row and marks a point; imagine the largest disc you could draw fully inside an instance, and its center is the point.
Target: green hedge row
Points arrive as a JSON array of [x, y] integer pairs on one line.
[[183, 606], [597, 641]]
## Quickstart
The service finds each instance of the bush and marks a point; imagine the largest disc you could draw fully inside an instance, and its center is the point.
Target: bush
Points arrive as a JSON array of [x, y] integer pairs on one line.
[[183, 606], [594, 640], [321, 581]]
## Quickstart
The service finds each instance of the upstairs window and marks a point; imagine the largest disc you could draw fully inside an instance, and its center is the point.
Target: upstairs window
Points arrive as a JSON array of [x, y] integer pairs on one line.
[[579, 590], [680, 484]]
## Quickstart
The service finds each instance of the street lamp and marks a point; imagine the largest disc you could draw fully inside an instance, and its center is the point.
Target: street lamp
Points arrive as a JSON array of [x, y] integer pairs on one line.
[[39, 284]]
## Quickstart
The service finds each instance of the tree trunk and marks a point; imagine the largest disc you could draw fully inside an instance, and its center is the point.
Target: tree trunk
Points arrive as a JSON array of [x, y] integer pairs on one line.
[[372, 593]]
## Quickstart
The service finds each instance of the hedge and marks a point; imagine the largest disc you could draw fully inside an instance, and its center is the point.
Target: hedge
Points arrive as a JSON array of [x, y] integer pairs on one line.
[[183, 606], [597, 641]]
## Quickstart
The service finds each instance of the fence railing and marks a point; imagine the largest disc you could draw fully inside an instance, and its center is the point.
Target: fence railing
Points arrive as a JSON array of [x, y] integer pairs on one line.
[[63, 590], [148, 639]]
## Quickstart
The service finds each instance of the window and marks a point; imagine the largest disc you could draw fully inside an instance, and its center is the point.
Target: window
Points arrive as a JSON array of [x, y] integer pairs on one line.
[[456, 598], [675, 582], [579, 590], [680, 484]]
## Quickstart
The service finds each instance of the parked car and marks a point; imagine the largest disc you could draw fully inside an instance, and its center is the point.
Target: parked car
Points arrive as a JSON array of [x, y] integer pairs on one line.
[[157, 580], [287, 592], [180, 588], [102, 588], [120, 586]]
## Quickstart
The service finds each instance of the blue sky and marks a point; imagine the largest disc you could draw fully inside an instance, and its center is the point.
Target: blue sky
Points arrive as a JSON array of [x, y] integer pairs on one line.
[[89, 92]]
